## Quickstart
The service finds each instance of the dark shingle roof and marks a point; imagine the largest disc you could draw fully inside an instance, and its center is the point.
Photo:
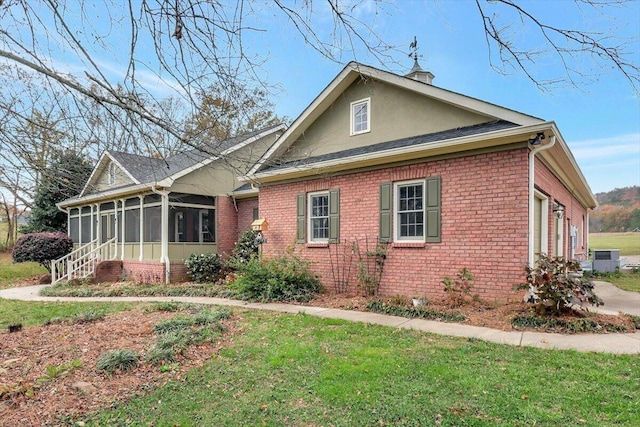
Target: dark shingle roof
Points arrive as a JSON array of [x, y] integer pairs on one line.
[[398, 143], [148, 170]]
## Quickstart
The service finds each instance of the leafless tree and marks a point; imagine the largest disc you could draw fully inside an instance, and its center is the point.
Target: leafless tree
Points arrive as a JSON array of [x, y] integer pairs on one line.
[[65, 75], [584, 54]]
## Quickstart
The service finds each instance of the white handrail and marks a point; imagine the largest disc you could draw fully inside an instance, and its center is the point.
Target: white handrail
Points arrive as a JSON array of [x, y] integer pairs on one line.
[[82, 262]]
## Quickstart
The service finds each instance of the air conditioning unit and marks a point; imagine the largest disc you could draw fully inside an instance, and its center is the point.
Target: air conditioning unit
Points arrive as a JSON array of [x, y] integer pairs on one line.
[[606, 260]]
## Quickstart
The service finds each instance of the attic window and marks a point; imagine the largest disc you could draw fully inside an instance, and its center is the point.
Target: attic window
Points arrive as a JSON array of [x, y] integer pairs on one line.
[[360, 116], [112, 173]]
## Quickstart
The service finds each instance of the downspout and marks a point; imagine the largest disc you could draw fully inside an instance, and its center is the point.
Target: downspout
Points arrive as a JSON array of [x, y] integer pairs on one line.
[[164, 220], [532, 162]]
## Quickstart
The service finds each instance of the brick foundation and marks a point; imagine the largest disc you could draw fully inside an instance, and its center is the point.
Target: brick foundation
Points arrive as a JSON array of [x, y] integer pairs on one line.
[[108, 271], [144, 271]]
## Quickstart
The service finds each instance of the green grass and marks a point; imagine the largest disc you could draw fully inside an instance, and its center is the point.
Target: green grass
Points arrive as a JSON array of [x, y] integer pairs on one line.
[[13, 273], [37, 313], [302, 370], [628, 243], [625, 280]]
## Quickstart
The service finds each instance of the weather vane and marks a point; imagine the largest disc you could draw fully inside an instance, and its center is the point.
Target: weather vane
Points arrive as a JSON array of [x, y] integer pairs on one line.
[[414, 49]]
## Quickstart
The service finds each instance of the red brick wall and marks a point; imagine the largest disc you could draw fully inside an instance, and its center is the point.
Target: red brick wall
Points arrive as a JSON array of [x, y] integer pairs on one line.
[[484, 224], [245, 214], [108, 271], [575, 213], [153, 271], [227, 226], [144, 271]]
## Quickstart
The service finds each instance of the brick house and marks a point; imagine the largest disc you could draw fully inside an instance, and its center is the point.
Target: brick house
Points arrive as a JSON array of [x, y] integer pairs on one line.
[[147, 215], [442, 180]]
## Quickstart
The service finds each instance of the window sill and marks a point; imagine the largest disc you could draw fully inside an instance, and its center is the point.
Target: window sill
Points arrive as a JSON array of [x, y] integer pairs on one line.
[[416, 245], [313, 245]]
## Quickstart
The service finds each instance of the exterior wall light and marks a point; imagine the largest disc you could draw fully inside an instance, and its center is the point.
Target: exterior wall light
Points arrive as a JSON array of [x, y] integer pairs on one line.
[[537, 140]]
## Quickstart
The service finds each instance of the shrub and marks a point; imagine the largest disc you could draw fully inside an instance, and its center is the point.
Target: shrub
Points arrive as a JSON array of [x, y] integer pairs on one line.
[[159, 355], [204, 267], [459, 288], [556, 284], [117, 360], [42, 248], [281, 278], [247, 247]]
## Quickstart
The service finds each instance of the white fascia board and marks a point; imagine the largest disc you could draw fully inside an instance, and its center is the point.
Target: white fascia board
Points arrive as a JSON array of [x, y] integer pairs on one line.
[[107, 195], [353, 70], [324, 99], [135, 181], [562, 158], [94, 172], [244, 194], [104, 158], [167, 182], [454, 98], [524, 131]]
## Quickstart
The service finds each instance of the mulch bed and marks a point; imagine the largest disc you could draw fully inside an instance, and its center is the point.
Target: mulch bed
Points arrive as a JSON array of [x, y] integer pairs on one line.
[[25, 355]]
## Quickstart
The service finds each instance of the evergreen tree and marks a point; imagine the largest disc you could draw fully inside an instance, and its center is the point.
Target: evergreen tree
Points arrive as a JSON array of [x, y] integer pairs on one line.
[[64, 178]]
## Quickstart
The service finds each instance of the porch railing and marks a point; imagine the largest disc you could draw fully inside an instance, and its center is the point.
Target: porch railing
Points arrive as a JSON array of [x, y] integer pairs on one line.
[[82, 261]]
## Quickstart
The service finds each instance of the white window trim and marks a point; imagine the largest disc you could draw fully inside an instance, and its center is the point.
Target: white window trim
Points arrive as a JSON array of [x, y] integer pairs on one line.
[[202, 213], [310, 238], [544, 222], [352, 131], [176, 227], [396, 223]]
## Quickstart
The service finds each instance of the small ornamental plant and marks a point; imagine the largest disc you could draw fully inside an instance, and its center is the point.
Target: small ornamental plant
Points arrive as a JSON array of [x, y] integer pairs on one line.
[[204, 268], [247, 248], [42, 248], [555, 285]]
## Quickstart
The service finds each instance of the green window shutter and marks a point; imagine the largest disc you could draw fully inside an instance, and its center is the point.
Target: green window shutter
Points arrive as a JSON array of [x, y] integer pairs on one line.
[[334, 216], [432, 210], [301, 236], [385, 212]]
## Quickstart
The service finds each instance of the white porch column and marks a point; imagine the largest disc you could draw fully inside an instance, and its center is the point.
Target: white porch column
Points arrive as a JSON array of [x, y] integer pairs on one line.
[[164, 220], [141, 257], [122, 225]]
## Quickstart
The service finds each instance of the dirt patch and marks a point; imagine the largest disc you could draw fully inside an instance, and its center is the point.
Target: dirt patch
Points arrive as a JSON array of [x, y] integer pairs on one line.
[[32, 396]]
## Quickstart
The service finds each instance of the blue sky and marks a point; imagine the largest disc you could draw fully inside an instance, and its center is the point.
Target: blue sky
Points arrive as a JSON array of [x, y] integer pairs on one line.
[[599, 120]]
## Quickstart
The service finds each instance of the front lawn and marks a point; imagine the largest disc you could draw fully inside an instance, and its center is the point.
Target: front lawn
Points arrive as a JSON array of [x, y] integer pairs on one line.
[[301, 370], [11, 273], [28, 313], [625, 280], [628, 243]]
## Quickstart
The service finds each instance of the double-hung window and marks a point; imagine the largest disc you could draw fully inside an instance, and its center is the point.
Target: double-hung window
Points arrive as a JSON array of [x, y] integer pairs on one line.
[[410, 211], [319, 217], [360, 116], [409, 199]]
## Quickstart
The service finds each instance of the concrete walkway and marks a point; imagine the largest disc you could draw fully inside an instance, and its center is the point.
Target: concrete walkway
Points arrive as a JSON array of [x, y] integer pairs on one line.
[[607, 343]]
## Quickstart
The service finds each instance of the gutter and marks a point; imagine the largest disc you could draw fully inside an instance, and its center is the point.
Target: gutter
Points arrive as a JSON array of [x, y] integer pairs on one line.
[[508, 136], [532, 162]]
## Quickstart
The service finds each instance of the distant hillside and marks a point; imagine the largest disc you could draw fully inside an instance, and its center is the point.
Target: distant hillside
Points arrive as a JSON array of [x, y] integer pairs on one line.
[[619, 211]]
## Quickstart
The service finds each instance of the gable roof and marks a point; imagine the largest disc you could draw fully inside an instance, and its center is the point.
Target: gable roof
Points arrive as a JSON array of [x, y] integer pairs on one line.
[[146, 171], [354, 71], [411, 141]]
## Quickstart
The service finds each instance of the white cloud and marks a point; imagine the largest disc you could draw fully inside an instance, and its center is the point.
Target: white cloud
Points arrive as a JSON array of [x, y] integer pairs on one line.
[[611, 147]]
